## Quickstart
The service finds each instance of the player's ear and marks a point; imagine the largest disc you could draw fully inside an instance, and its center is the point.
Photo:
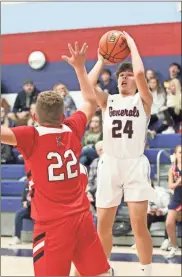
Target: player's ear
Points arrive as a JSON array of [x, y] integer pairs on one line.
[[62, 118], [34, 117]]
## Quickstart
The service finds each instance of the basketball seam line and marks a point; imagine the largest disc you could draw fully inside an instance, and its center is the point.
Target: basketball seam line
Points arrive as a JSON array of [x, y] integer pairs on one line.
[[103, 50], [107, 41], [121, 51], [114, 47]]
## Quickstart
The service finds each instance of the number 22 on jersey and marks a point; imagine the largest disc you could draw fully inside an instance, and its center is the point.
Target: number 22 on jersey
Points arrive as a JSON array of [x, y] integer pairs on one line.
[[70, 173]]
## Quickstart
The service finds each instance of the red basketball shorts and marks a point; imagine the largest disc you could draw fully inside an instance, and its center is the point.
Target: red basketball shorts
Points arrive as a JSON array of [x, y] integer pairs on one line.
[[73, 239]]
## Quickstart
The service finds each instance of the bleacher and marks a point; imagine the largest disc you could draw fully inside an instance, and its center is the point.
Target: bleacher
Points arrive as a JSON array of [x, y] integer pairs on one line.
[[11, 200], [12, 189]]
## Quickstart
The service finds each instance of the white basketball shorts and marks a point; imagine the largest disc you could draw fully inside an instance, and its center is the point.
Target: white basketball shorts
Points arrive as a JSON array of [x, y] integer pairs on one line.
[[123, 177]]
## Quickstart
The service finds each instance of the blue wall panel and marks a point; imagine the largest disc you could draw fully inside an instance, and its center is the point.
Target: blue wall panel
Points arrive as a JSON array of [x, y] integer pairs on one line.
[[14, 75]]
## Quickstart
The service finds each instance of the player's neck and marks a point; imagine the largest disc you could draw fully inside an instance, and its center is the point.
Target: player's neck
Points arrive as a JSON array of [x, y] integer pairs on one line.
[[125, 95]]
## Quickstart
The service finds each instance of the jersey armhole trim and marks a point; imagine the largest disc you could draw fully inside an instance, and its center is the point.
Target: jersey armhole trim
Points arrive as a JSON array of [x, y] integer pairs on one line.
[[106, 108], [33, 144], [147, 117]]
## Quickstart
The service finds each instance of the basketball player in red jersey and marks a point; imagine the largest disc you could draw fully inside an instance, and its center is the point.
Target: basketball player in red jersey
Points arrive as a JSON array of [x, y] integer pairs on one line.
[[124, 170], [64, 231]]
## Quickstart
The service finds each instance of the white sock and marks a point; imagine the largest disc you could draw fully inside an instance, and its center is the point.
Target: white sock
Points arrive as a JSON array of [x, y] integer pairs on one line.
[[146, 269]]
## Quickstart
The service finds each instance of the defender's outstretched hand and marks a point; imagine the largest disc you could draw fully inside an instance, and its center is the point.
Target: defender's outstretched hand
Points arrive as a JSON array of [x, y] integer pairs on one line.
[[78, 56]]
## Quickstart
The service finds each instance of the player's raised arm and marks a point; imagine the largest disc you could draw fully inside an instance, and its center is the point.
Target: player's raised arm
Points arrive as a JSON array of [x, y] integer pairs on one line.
[[7, 136], [139, 73], [101, 96], [77, 60]]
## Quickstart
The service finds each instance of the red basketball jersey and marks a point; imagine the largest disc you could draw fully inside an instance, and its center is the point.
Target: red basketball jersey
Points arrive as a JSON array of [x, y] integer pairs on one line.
[[53, 157]]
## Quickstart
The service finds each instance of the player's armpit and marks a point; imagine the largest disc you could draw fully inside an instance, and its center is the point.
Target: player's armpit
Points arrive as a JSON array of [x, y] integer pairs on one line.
[[101, 97], [7, 136], [77, 122]]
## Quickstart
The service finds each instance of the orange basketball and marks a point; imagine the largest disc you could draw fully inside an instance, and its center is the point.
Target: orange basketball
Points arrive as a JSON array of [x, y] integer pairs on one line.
[[113, 46]]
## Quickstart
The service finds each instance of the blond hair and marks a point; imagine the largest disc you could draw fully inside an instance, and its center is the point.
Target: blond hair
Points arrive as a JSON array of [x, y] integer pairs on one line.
[[60, 84], [99, 144], [49, 108], [178, 95]]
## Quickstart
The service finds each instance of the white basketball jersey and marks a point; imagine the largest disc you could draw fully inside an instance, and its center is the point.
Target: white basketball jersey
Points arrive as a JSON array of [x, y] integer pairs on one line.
[[124, 126]]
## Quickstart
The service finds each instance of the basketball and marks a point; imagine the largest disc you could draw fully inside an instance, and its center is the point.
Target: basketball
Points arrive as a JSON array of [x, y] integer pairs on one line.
[[113, 46]]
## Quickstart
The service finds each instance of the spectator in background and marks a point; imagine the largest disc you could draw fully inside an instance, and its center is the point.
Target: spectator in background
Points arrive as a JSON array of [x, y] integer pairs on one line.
[[6, 150], [91, 137], [69, 104], [5, 120], [175, 71], [171, 114], [157, 211], [159, 99], [107, 83], [6, 154], [150, 74], [24, 212], [5, 105], [31, 121], [23, 101], [175, 183], [92, 176]]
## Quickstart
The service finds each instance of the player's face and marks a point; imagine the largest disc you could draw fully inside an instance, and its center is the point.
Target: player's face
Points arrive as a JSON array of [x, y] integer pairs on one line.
[[126, 83]]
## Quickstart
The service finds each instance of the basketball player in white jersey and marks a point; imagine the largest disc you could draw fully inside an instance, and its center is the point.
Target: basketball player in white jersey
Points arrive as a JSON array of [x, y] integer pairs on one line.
[[123, 169]]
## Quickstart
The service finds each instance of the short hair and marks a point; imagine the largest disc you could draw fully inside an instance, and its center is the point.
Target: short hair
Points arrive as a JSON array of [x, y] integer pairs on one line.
[[49, 107], [126, 66], [177, 65], [28, 82], [106, 70]]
